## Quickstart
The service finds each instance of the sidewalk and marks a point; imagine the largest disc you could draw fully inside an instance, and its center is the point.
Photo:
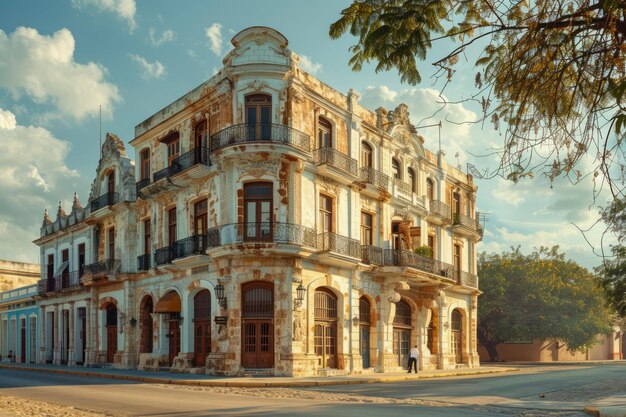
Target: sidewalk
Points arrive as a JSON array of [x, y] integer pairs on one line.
[[252, 381], [608, 407]]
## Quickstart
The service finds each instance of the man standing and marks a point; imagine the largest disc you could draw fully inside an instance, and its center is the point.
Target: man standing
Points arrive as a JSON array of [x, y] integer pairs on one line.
[[413, 358]]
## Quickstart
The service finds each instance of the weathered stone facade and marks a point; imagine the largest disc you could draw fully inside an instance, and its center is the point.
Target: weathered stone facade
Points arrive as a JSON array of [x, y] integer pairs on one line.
[[276, 227]]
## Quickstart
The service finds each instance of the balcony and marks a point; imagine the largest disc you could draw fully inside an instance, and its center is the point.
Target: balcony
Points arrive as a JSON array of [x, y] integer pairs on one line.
[[336, 165], [465, 226], [163, 256], [402, 189], [144, 262], [190, 251], [140, 185], [256, 234], [261, 134], [372, 255], [188, 166], [105, 200], [338, 250], [405, 258], [467, 280], [439, 213], [101, 272], [374, 182]]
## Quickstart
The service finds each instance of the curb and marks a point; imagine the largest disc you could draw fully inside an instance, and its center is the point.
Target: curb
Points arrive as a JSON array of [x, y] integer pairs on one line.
[[256, 384], [606, 411]]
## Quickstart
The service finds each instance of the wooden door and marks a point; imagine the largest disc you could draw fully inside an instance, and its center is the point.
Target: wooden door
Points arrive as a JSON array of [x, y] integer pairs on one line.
[[401, 346], [23, 345], [259, 116], [258, 343], [174, 333], [202, 341], [258, 211], [365, 346], [111, 343], [326, 344]]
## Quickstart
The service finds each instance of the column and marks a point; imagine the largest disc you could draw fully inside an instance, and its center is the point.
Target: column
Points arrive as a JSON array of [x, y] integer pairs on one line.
[[89, 336], [71, 358], [42, 346], [444, 335], [56, 351]]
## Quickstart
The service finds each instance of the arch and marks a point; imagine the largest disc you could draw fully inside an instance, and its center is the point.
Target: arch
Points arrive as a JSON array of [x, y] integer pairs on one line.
[[457, 334], [365, 323], [402, 332], [169, 304], [324, 133], [325, 340], [202, 326], [396, 168], [257, 310], [146, 325]]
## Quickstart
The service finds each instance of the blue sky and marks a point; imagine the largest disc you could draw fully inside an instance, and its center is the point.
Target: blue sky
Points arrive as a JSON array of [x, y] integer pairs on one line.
[[60, 61]]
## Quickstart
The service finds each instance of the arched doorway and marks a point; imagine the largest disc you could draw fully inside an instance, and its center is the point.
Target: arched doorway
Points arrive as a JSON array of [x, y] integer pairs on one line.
[[257, 347], [145, 321], [457, 336], [364, 325], [202, 327], [402, 333], [169, 305], [111, 331], [325, 341]]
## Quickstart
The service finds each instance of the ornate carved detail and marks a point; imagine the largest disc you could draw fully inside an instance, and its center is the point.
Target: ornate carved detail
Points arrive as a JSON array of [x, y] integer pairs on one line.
[[257, 85], [257, 169], [327, 184], [400, 117], [368, 203]]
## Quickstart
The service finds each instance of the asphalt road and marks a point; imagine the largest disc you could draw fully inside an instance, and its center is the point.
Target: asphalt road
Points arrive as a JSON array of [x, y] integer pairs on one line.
[[565, 391]]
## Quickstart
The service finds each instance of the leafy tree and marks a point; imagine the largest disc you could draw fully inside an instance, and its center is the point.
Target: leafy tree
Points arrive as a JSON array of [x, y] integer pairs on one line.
[[540, 295], [551, 71], [613, 269]]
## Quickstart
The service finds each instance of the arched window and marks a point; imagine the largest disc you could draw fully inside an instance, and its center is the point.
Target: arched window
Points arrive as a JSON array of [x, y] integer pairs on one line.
[[364, 324], [145, 321], [325, 340], [202, 327], [457, 321], [430, 189], [402, 332], [111, 181], [412, 182], [457, 335], [403, 314], [395, 168], [257, 300], [324, 133], [366, 155]]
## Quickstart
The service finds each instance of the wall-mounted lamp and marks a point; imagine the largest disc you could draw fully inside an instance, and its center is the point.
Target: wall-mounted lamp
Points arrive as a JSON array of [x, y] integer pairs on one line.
[[300, 291], [133, 321], [219, 294], [355, 321]]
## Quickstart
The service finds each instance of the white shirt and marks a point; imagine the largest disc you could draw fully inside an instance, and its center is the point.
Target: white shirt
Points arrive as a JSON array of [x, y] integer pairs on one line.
[[415, 353]]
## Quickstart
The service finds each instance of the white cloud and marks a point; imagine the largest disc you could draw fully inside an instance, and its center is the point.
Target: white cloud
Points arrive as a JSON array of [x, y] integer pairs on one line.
[[309, 66], [214, 34], [33, 171], [124, 9], [166, 36], [150, 70], [43, 68]]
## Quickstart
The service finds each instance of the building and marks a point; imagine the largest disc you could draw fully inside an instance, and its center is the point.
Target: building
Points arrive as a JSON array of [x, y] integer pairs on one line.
[[17, 274], [18, 325], [271, 224]]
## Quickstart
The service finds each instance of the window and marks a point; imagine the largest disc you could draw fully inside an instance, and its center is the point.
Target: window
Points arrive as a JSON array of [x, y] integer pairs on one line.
[[50, 267], [147, 241], [326, 214], [403, 314], [366, 155], [112, 243], [171, 230], [111, 182], [325, 331], [324, 133], [173, 150], [431, 244], [395, 168], [81, 259], [364, 311], [200, 217], [456, 203], [430, 189], [259, 116], [258, 210], [201, 135], [457, 261], [145, 164], [366, 229], [412, 182]]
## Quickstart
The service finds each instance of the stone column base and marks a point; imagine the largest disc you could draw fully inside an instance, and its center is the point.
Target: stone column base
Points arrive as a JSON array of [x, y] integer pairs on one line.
[[56, 357], [71, 359], [90, 358], [302, 364], [223, 364], [183, 362], [150, 362]]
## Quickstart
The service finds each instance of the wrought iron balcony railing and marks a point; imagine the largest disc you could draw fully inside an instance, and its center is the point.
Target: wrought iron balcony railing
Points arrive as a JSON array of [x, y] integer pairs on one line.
[[402, 186], [67, 280], [369, 175], [46, 285], [372, 255], [463, 220], [467, 279], [441, 209], [142, 184], [397, 257], [104, 200], [196, 156], [192, 245], [163, 256], [103, 268], [332, 242], [246, 133], [334, 158], [143, 262], [274, 232]]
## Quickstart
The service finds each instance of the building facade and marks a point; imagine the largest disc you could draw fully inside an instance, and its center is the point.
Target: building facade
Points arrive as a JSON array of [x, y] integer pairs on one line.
[[18, 325], [270, 224]]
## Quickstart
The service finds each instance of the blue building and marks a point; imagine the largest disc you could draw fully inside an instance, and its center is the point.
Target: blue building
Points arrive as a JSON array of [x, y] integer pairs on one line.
[[18, 324]]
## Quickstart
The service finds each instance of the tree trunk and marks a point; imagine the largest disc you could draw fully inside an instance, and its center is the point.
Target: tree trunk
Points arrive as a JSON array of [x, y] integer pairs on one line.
[[492, 351]]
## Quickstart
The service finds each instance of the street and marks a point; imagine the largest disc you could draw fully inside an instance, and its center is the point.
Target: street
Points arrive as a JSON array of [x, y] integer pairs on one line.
[[534, 391]]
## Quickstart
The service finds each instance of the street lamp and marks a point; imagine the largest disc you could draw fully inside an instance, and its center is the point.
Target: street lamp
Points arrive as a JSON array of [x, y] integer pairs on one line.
[[300, 291]]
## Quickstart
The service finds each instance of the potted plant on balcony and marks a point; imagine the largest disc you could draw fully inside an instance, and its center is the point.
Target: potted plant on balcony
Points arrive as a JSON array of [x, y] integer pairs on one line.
[[425, 251]]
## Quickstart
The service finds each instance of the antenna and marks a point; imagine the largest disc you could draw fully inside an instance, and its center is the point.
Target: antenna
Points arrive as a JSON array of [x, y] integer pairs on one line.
[[101, 131], [433, 125]]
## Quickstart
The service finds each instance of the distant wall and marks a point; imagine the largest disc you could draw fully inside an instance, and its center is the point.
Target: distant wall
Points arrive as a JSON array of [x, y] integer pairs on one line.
[[17, 274]]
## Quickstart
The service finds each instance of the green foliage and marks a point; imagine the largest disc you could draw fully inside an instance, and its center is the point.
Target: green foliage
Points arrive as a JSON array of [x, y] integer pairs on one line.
[[425, 251], [551, 71], [613, 269], [539, 295]]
